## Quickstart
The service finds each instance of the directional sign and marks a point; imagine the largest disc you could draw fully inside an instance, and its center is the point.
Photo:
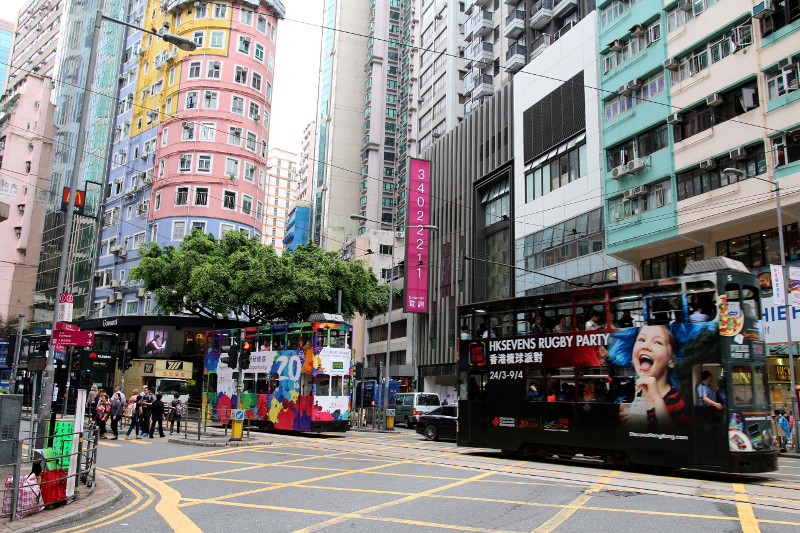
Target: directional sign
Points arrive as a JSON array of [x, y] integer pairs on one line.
[[238, 414], [66, 326], [73, 338]]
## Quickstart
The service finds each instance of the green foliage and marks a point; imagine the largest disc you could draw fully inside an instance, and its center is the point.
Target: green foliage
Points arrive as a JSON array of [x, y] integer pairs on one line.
[[220, 279]]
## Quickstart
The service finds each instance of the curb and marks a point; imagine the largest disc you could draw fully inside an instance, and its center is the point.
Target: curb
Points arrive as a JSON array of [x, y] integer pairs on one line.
[[219, 444], [360, 430], [79, 514]]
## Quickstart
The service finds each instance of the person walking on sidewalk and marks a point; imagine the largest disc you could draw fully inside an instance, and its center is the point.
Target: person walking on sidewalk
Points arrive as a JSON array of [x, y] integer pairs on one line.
[[116, 414], [103, 412], [175, 413], [134, 405], [157, 413], [144, 419]]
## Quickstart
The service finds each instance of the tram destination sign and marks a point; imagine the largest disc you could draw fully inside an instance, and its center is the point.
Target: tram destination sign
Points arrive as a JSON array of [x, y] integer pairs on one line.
[[72, 338]]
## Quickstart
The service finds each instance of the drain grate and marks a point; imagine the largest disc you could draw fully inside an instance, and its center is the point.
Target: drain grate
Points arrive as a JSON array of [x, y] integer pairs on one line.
[[617, 493]]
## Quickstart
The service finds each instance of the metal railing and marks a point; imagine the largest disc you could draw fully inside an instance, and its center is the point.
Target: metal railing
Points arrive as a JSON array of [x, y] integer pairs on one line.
[[541, 4], [26, 460]]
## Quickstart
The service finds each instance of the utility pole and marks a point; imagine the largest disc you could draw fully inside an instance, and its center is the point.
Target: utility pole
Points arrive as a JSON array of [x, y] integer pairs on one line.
[[46, 394], [15, 362]]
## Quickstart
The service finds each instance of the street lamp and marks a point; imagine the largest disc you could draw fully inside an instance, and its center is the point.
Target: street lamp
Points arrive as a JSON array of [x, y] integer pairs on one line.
[[45, 407], [787, 303], [361, 218]]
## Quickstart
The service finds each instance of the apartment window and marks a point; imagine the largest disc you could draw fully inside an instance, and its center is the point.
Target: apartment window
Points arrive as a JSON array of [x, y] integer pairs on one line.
[[261, 24], [266, 119], [187, 131], [254, 110], [191, 99], [551, 174], [652, 141], [247, 204], [220, 11], [164, 133], [181, 196], [203, 163], [263, 148], [201, 196], [439, 107], [244, 45], [199, 37], [699, 181], [671, 265], [229, 200], [214, 70], [210, 100], [269, 91], [194, 69], [782, 81], [620, 105], [271, 62], [232, 167], [677, 18], [157, 203], [259, 53], [656, 195], [185, 163], [235, 136], [138, 240], [273, 34], [246, 16], [132, 307], [391, 113], [237, 105], [614, 11], [217, 39], [252, 141], [735, 102], [200, 11], [178, 230], [207, 130], [256, 81], [240, 75], [249, 172]]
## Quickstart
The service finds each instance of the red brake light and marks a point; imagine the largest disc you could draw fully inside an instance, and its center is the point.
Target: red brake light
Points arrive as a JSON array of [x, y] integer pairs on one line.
[[416, 413]]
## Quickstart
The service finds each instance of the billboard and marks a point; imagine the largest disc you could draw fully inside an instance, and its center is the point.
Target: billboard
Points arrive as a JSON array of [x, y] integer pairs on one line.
[[417, 239], [155, 342]]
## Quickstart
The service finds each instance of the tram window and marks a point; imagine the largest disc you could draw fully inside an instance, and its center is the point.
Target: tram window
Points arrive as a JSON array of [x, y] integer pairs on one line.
[[213, 341], [274, 382], [264, 342], [211, 382], [732, 295], [225, 343], [534, 377], [742, 385], [338, 338], [338, 387], [501, 325], [323, 385], [750, 303], [666, 310], [592, 384], [305, 384], [760, 389], [345, 385], [249, 383], [279, 340], [322, 337], [586, 313], [294, 340], [477, 385]]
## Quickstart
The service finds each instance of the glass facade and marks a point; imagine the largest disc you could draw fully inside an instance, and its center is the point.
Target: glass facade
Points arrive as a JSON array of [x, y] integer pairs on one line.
[[573, 238], [762, 248], [670, 265]]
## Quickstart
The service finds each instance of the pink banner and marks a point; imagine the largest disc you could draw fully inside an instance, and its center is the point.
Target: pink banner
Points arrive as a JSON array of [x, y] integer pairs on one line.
[[419, 185]]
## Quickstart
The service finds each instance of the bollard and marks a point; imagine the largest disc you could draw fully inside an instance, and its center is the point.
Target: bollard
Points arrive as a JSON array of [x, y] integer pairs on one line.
[[17, 471]]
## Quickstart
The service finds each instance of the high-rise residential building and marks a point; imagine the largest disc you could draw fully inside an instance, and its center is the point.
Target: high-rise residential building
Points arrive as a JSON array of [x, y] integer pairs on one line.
[[36, 39], [189, 152], [71, 61], [280, 190], [691, 92], [25, 155], [305, 170], [6, 41]]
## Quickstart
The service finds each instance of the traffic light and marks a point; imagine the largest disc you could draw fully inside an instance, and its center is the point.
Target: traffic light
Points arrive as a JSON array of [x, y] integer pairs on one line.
[[244, 358], [232, 360], [127, 359], [357, 371]]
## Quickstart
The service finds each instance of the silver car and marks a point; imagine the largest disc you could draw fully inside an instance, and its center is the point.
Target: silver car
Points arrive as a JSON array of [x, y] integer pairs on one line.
[[409, 406]]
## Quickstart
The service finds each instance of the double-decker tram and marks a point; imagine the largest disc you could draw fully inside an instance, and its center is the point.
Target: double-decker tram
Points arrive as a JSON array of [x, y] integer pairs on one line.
[[669, 372], [293, 376]]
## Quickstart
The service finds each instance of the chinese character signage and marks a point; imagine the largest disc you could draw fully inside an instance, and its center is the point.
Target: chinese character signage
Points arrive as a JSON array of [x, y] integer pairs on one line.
[[778, 285], [419, 184], [8, 189]]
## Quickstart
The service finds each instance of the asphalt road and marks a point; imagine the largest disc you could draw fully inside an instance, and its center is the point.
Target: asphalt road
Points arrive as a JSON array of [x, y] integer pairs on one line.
[[400, 482]]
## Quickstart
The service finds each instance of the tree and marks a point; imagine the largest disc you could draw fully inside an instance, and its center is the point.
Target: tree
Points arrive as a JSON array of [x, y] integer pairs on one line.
[[221, 279], [8, 327]]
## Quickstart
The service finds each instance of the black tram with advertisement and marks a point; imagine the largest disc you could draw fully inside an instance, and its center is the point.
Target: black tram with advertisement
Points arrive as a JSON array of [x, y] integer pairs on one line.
[[614, 372]]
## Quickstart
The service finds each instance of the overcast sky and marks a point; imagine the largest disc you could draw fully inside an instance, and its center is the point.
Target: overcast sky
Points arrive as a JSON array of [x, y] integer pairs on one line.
[[294, 97]]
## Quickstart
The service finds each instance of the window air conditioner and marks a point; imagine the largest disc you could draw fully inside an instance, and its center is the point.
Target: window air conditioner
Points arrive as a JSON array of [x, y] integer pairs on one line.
[[738, 154], [115, 283], [637, 30], [618, 172], [615, 45], [110, 299], [122, 253], [140, 293], [624, 90], [708, 164], [399, 234], [641, 190], [787, 62], [634, 84], [674, 118], [118, 296], [714, 99], [629, 193], [129, 191], [635, 165], [763, 10], [685, 5], [143, 155], [116, 248], [672, 63]]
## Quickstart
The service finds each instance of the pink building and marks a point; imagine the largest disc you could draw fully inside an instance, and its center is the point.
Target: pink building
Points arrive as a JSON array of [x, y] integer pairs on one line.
[[25, 160], [212, 152]]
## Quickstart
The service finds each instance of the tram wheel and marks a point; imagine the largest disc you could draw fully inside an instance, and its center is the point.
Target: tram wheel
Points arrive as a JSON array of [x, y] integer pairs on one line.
[[431, 433]]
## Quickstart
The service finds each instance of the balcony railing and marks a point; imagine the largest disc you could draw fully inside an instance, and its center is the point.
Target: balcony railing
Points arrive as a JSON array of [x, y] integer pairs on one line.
[[541, 14], [540, 44], [515, 24], [516, 49]]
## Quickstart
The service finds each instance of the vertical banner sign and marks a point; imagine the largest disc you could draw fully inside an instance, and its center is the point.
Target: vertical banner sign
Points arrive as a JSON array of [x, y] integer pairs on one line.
[[794, 285], [417, 239], [778, 285], [64, 309]]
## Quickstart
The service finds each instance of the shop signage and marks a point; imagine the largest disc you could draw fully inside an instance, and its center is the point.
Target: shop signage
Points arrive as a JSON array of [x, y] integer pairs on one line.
[[417, 240], [80, 201], [782, 373], [72, 338], [778, 284], [774, 322]]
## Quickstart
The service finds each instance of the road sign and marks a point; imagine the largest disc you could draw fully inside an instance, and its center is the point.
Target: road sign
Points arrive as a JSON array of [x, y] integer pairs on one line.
[[73, 338], [37, 364], [238, 414], [64, 307], [66, 326]]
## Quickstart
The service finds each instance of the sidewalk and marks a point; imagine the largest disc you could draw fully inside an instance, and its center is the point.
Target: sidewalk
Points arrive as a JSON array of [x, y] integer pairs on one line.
[[104, 496]]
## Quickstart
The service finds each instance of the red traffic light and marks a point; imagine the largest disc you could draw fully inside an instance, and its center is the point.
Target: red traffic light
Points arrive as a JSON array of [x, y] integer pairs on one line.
[[246, 346]]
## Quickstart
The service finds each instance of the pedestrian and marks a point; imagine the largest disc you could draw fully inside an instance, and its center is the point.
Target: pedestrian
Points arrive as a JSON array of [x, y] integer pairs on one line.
[[175, 412], [91, 402], [157, 414], [783, 423], [118, 390], [134, 406], [116, 414], [102, 412], [146, 403]]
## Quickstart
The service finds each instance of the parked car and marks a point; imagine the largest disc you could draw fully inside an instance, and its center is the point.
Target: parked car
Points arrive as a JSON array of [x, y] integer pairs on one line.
[[408, 406], [439, 423]]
